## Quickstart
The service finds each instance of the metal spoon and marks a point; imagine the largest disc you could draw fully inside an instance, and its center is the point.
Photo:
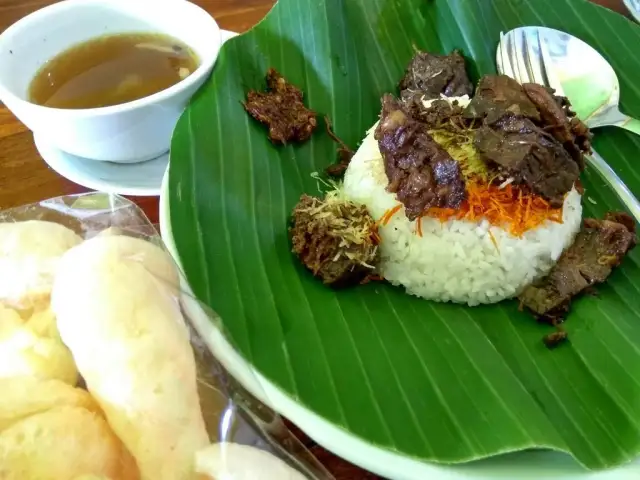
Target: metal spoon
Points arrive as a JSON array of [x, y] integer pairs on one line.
[[587, 79]]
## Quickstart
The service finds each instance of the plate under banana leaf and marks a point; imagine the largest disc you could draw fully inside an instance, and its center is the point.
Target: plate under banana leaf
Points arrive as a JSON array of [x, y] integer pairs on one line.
[[432, 382]]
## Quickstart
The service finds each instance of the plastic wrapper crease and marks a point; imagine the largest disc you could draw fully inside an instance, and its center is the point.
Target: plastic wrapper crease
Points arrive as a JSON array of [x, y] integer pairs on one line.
[[103, 374]]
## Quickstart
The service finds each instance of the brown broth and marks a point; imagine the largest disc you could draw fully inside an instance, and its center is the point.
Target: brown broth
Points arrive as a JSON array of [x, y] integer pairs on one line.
[[112, 70]]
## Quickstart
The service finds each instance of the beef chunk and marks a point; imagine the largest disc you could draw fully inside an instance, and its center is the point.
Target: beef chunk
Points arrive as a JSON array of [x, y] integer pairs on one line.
[[529, 155], [338, 169], [604, 249], [555, 339], [282, 110], [558, 119], [440, 115], [497, 94], [582, 135], [600, 246], [429, 75], [420, 172], [531, 135], [336, 240], [622, 218]]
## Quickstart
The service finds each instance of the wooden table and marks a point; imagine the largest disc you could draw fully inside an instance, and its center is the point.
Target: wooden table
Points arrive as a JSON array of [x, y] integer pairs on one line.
[[25, 178]]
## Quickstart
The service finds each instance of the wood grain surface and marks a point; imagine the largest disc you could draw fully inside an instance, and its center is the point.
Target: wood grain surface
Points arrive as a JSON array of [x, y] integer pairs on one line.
[[25, 178]]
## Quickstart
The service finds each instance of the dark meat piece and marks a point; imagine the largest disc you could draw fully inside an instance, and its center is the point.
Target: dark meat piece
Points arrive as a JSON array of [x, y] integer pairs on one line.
[[529, 155], [345, 154], [337, 169], [282, 110], [441, 115], [582, 136], [604, 249], [336, 240], [420, 172], [554, 339], [558, 119], [429, 75], [497, 94], [599, 247], [622, 218]]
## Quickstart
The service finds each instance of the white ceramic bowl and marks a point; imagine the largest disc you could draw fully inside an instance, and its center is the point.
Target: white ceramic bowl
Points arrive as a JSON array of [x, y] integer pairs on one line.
[[131, 132]]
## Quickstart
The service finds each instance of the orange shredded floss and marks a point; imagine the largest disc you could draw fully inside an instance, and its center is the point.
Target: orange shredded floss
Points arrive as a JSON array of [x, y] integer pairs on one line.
[[375, 236], [388, 215], [510, 205]]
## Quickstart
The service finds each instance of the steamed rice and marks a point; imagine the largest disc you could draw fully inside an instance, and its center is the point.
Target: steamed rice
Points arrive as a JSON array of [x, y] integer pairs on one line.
[[456, 260]]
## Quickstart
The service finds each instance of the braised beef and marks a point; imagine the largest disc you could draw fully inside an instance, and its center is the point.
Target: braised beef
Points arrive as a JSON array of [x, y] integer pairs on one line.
[[555, 339], [282, 110], [429, 75], [622, 218], [440, 115], [582, 135], [338, 169], [599, 247], [420, 172], [498, 94], [558, 119], [529, 155], [334, 239], [531, 135]]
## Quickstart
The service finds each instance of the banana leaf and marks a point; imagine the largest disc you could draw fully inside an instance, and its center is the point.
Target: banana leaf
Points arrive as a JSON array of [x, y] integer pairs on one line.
[[436, 382]]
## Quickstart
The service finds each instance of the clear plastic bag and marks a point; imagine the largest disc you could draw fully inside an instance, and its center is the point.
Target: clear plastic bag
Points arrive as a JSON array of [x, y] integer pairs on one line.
[[111, 299]]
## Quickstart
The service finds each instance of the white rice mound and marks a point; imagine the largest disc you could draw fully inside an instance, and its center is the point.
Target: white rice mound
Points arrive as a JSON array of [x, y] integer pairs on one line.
[[455, 261]]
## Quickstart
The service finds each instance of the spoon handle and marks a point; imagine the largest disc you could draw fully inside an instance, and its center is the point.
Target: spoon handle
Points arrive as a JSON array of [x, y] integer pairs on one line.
[[623, 192], [631, 124]]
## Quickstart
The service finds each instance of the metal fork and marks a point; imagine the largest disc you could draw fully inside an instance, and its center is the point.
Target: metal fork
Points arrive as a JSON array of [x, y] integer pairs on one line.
[[517, 59]]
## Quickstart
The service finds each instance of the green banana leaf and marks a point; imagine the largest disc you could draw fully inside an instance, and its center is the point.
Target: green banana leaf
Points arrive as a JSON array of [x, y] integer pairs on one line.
[[437, 382]]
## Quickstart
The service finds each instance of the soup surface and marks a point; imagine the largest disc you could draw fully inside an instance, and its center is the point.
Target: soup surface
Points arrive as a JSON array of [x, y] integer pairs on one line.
[[112, 70]]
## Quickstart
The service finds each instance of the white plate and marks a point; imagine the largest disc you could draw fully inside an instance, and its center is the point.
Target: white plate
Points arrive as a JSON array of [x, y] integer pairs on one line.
[[634, 7], [521, 466], [136, 179]]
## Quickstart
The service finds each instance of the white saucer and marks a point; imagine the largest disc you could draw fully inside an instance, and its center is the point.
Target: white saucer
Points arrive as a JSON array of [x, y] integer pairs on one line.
[[135, 179]]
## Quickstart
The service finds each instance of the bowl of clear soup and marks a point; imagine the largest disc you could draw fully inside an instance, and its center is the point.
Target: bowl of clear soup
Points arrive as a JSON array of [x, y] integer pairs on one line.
[[107, 80]]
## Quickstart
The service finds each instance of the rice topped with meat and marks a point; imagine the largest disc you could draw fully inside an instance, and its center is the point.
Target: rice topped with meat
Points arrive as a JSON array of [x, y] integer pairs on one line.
[[455, 260]]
